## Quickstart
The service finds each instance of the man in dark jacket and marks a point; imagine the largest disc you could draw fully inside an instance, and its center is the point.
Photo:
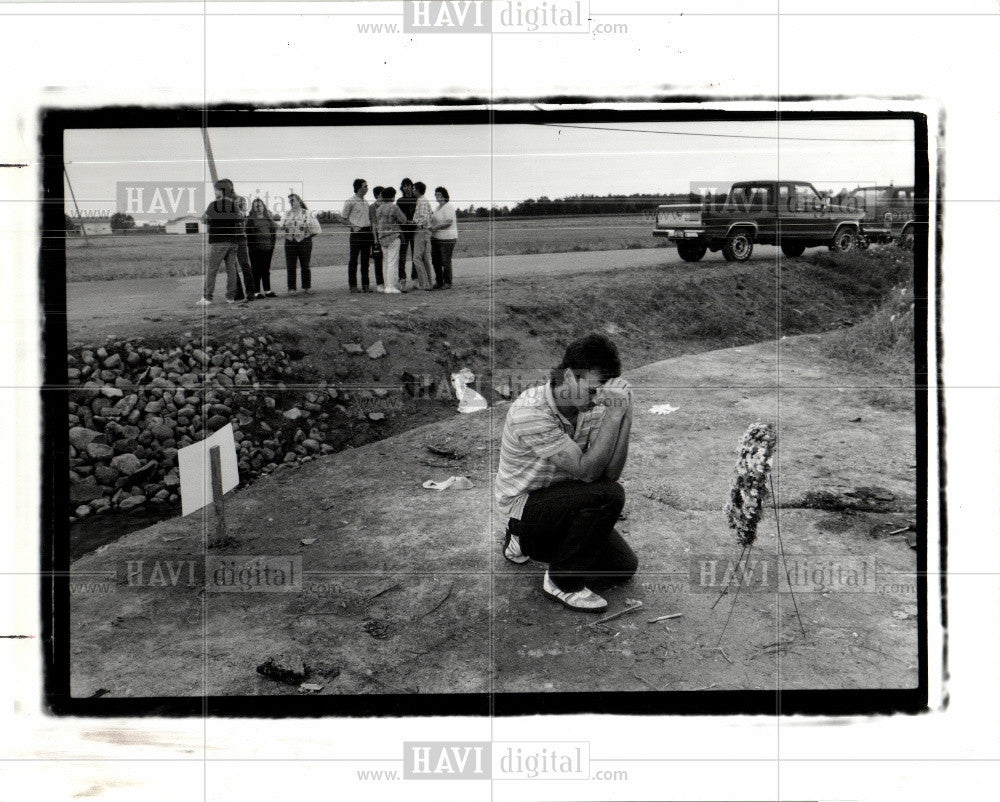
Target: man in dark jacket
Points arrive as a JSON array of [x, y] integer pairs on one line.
[[225, 232], [407, 205]]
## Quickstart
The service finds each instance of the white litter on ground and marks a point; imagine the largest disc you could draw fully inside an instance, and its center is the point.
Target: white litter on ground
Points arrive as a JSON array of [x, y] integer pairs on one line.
[[468, 399], [453, 482], [663, 409]]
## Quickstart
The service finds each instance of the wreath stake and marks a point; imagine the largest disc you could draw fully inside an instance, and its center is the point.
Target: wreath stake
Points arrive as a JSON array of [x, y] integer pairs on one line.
[[750, 483]]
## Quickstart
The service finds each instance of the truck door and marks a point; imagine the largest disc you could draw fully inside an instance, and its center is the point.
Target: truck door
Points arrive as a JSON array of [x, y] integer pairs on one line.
[[755, 203], [802, 215]]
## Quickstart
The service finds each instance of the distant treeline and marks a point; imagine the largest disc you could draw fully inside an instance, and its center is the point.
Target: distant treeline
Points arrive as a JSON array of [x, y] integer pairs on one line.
[[579, 205]]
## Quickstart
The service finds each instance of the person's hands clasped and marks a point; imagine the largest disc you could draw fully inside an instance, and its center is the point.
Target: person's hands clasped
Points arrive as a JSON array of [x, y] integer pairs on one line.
[[616, 395]]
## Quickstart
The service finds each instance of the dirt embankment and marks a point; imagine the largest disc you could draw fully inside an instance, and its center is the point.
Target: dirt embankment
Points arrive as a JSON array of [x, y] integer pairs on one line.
[[521, 326]]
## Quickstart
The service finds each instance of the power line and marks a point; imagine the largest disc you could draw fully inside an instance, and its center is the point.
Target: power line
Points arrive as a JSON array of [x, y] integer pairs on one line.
[[725, 136]]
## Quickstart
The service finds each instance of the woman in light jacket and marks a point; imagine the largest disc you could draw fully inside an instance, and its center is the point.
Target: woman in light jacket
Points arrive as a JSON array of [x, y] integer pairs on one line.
[[444, 237], [388, 219], [260, 230], [299, 226]]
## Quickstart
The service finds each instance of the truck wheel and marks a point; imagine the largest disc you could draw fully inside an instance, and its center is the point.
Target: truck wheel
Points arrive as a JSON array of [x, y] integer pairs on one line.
[[905, 240], [691, 251], [738, 246], [793, 249], [843, 241]]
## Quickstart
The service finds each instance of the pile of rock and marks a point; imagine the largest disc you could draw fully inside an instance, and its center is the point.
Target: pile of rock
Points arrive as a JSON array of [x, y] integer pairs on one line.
[[132, 406]]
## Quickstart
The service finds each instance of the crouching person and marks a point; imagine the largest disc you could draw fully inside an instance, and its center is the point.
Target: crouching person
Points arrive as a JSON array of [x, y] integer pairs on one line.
[[563, 449]]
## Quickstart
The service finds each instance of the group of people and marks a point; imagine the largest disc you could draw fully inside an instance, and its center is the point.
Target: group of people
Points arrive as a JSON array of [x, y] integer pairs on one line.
[[384, 230], [381, 232]]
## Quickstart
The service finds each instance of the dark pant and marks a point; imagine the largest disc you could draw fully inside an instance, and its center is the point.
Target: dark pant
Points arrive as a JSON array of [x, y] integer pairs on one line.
[[441, 251], [360, 244], [243, 257], [299, 252], [377, 259], [260, 261], [405, 239], [571, 526]]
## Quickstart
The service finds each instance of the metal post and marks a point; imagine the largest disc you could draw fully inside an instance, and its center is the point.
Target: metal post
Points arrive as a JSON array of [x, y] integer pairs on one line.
[[79, 217]]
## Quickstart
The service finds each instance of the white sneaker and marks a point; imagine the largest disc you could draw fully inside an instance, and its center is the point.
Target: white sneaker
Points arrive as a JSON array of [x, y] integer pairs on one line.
[[512, 550], [203, 302], [585, 600], [393, 291]]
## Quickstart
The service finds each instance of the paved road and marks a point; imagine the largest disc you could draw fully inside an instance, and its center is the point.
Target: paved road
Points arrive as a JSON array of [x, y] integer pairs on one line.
[[139, 297]]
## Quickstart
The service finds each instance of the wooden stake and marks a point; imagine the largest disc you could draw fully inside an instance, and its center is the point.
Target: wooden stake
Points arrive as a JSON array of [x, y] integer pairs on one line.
[[215, 457]]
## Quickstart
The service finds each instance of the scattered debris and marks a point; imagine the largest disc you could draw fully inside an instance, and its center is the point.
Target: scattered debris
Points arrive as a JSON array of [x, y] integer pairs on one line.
[[468, 399], [307, 541], [665, 617], [631, 606], [288, 669], [376, 350], [377, 628], [352, 348], [445, 451], [453, 482], [310, 687], [663, 409]]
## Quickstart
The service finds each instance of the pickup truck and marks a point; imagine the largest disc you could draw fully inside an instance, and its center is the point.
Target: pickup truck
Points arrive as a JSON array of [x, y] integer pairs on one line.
[[889, 214], [791, 214]]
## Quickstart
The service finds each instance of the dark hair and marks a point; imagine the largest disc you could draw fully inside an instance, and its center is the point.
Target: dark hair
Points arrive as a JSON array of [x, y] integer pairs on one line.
[[377, 192], [593, 352], [302, 203], [388, 193], [358, 182], [266, 215], [444, 192], [226, 186], [405, 182], [420, 187]]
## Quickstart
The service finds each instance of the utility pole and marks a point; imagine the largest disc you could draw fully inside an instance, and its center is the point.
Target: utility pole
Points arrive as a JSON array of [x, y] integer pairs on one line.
[[79, 217], [208, 154]]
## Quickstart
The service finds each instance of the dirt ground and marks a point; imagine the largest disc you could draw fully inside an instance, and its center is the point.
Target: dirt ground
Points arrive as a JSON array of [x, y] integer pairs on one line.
[[405, 589], [520, 322]]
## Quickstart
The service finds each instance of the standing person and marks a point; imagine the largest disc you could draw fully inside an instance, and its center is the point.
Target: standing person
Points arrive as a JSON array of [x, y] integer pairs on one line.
[[260, 233], [389, 220], [563, 448], [243, 256], [300, 226], [422, 238], [376, 247], [444, 237], [224, 230], [356, 215], [408, 205]]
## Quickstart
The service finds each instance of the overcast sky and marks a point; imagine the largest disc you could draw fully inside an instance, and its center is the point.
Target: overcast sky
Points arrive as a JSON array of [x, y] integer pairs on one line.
[[503, 164]]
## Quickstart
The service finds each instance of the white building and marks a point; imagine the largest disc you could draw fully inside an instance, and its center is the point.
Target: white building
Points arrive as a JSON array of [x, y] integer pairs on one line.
[[189, 224], [96, 229]]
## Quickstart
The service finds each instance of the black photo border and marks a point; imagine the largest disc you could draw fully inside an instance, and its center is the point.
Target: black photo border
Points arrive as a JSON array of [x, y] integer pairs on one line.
[[54, 513]]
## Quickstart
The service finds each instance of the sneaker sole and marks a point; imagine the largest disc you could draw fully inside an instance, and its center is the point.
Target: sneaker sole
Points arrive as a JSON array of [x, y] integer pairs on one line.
[[575, 609]]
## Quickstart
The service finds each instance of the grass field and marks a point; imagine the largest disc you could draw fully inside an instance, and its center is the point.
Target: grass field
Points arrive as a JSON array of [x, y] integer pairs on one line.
[[163, 255]]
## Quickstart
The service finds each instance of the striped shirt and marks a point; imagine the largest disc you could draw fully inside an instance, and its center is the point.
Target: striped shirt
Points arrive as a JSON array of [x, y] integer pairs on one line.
[[535, 430], [422, 212]]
